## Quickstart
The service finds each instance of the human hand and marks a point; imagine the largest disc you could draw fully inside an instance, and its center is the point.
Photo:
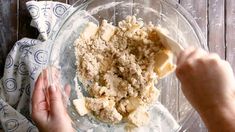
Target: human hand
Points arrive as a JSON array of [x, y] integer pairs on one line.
[[207, 81], [48, 110], [209, 85]]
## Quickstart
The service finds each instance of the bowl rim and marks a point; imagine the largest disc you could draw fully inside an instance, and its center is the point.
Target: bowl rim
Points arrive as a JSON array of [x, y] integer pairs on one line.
[[82, 4]]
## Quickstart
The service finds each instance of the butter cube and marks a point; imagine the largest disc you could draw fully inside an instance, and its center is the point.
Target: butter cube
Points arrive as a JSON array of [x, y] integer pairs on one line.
[[107, 31], [134, 102], [80, 106], [139, 117], [89, 31], [164, 63]]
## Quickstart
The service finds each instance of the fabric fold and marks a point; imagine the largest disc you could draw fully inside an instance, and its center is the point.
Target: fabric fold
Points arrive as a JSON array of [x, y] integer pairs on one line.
[[23, 65]]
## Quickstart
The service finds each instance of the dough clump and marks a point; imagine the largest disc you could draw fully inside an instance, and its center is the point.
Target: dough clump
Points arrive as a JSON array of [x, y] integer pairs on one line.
[[119, 66]]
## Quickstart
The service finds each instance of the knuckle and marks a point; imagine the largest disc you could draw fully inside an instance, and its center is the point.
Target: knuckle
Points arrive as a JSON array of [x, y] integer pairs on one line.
[[211, 59], [214, 59], [185, 67], [188, 64], [214, 56], [201, 61]]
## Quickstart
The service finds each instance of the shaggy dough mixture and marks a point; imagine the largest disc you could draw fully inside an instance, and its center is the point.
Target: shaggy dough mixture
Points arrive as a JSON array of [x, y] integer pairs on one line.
[[119, 67]]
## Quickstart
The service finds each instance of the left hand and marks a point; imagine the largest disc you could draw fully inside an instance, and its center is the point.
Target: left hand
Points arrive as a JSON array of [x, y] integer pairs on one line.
[[48, 110]]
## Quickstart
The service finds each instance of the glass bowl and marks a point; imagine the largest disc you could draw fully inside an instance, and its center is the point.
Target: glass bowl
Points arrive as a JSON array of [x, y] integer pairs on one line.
[[165, 13]]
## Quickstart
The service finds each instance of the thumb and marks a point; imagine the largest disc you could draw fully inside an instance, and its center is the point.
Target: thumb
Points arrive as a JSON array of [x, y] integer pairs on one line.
[[55, 101]]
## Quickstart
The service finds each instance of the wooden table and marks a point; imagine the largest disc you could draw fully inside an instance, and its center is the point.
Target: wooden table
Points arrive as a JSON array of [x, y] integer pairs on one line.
[[215, 17]]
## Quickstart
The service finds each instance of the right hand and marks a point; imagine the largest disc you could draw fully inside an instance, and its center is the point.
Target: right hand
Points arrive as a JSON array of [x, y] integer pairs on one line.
[[207, 81]]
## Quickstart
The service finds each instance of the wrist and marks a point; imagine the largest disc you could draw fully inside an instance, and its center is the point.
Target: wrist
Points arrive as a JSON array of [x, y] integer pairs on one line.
[[220, 117]]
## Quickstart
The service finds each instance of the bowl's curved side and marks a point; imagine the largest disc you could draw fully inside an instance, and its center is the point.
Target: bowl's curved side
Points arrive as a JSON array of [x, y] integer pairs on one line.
[[63, 36], [190, 20]]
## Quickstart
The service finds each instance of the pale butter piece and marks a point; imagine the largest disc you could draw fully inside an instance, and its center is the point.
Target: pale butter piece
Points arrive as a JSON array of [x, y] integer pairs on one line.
[[134, 102], [80, 106], [164, 63], [139, 117], [89, 31], [107, 31]]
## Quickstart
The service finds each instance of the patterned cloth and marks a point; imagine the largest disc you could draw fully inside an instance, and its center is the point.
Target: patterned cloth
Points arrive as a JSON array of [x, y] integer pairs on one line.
[[23, 65]]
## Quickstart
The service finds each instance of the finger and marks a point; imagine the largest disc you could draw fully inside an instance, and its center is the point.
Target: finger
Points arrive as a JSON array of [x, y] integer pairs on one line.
[[198, 53], [55, 77], [186, 66], [50, 74], [212, 59], [55, 73], [183, 55], [56, 103], [38, 93], [214, 56], [67, 90], [45, 77], [67, 94], [39, 104]]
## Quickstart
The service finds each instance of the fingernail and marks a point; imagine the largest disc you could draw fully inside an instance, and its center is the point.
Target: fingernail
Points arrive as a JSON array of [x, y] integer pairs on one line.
[[52, 88]]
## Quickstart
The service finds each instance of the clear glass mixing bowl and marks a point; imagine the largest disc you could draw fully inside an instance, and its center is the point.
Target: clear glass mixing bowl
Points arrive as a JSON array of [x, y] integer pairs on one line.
[[166, 13]]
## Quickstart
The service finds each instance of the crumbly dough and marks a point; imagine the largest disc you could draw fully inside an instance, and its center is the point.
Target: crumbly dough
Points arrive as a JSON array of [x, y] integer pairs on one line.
[[119, 67]]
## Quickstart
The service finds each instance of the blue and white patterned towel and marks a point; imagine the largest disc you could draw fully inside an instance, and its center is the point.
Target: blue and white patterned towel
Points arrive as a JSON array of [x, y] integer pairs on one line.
[[23, 65]]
